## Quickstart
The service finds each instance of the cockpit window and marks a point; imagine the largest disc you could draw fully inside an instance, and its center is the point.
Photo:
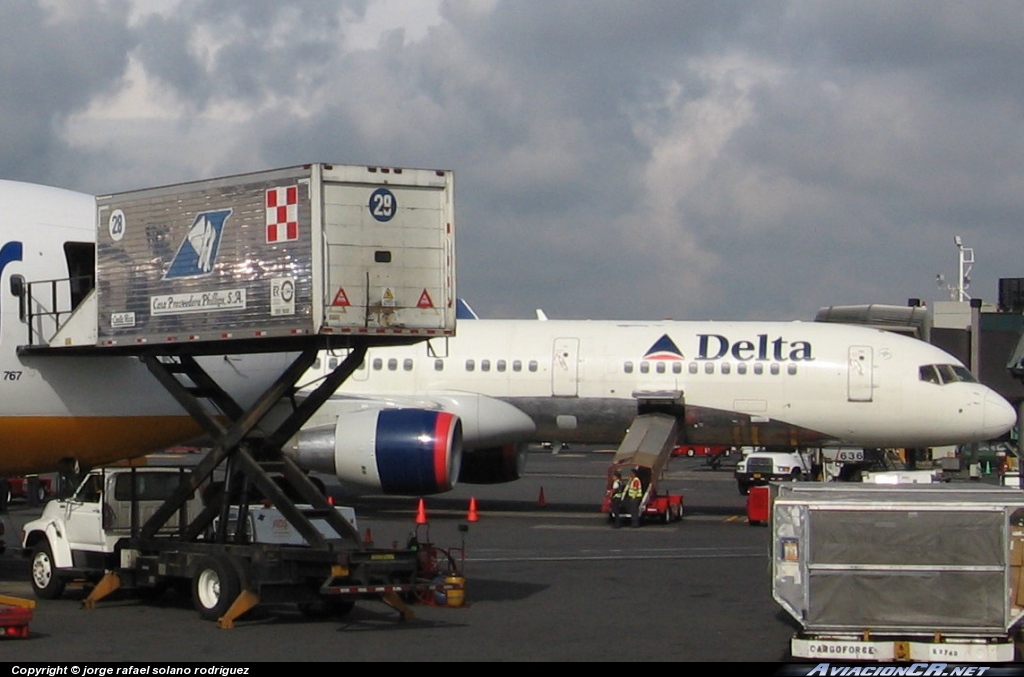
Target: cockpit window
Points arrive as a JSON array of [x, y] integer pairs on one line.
[[964, 375], [946, 373]]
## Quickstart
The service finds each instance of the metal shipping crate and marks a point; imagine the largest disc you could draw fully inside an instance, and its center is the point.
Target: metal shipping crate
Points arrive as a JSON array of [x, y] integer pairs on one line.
[[314, 249], [854, 563]]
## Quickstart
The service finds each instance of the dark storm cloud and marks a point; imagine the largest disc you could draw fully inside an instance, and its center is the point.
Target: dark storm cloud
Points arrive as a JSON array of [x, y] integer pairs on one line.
[[211, 51], [52, 64], [613, 159]]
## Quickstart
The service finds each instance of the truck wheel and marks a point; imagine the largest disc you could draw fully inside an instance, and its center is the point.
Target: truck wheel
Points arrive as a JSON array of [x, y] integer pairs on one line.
[[743, 487], [40, 494], [215, 587], [45, 582]]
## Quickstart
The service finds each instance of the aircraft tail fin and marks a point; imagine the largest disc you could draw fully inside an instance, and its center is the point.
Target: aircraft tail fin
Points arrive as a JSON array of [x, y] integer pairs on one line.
[[463, 311]]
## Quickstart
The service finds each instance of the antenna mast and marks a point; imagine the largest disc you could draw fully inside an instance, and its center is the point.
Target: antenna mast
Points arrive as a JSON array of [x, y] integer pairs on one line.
[[965, 258]]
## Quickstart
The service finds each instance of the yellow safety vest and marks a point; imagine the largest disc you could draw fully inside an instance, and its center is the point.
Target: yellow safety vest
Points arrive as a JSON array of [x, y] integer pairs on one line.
[[636, 489]]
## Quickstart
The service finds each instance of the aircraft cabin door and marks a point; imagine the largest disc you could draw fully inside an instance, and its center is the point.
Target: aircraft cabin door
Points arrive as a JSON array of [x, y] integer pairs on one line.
[[860, 378], [565, 367]]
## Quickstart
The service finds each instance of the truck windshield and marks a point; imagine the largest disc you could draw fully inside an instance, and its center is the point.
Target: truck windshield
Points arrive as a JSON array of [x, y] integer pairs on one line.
[[90, 489]]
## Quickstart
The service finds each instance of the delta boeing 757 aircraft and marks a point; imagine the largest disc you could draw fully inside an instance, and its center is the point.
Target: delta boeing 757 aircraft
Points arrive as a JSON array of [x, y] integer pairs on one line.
[[742, 383], [508, 381]]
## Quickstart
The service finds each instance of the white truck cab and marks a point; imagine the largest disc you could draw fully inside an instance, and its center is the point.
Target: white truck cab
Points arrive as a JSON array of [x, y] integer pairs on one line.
[[79, 537], [760, 466], [82, 537]]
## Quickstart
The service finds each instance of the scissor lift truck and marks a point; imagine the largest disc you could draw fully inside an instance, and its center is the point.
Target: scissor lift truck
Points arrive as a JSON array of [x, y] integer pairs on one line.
[[291, 261]]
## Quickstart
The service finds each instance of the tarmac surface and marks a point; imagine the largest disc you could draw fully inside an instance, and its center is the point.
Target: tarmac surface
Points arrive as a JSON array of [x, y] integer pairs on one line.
[[547, 579]]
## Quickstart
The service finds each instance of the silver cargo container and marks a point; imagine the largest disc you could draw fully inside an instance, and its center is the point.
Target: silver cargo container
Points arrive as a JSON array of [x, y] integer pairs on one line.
[[858, 565], [314, 249]]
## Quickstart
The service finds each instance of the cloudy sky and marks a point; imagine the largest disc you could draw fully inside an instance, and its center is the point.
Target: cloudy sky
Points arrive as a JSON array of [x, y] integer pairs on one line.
[[613, 159]]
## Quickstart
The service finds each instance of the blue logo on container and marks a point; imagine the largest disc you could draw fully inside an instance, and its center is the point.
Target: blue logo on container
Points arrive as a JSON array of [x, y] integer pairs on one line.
[[198, 251]]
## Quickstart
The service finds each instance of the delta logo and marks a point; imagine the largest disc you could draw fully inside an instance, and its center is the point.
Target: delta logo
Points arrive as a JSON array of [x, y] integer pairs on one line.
[[664, 349], [760, 348]]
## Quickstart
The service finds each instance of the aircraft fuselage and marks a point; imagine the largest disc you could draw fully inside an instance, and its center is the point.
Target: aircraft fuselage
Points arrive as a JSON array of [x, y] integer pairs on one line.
[[743, 383]]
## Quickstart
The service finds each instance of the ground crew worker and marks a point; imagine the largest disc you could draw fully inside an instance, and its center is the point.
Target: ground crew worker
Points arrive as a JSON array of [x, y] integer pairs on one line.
[[634, 492], [618, 490]]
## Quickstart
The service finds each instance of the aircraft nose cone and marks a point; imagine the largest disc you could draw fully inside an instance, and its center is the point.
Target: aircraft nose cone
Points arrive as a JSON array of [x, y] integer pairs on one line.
[[999, 416]]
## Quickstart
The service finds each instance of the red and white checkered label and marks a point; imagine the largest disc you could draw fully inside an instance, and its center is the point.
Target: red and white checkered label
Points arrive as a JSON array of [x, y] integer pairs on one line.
[[283, 214]]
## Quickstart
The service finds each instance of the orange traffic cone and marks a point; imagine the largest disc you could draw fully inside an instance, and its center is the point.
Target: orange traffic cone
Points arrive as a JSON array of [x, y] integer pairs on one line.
[[472, 516], [421, 513], [541, 501]]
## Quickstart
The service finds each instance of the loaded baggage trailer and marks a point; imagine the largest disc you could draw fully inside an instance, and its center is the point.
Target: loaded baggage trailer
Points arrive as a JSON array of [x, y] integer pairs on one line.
[[917, 572], [290, 261]]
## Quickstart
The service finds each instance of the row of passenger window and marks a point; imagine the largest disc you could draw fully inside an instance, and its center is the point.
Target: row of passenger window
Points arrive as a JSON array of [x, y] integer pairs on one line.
[[660, 367], [645, 366], [379, 364], [499, 365]]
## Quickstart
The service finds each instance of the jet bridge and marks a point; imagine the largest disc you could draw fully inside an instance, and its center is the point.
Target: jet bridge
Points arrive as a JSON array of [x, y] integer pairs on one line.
[[295, 261]]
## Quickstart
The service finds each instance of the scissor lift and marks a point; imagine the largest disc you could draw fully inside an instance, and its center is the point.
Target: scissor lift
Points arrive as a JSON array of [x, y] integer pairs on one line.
[[349, 257]]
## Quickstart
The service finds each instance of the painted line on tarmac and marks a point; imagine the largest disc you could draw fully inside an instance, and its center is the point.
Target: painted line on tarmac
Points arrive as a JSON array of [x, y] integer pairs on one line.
[[620, 555], [656, 527]]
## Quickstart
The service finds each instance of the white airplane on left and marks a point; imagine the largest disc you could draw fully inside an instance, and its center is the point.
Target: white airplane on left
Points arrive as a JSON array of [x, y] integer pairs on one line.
[[89, 410]]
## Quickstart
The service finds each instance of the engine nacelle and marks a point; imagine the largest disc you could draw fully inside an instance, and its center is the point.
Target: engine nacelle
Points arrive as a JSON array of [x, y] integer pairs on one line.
[[396, 451], [494, 465]]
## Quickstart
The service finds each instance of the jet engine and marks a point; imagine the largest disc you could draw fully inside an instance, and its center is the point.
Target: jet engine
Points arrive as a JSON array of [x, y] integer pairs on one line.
[[395, 451]]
